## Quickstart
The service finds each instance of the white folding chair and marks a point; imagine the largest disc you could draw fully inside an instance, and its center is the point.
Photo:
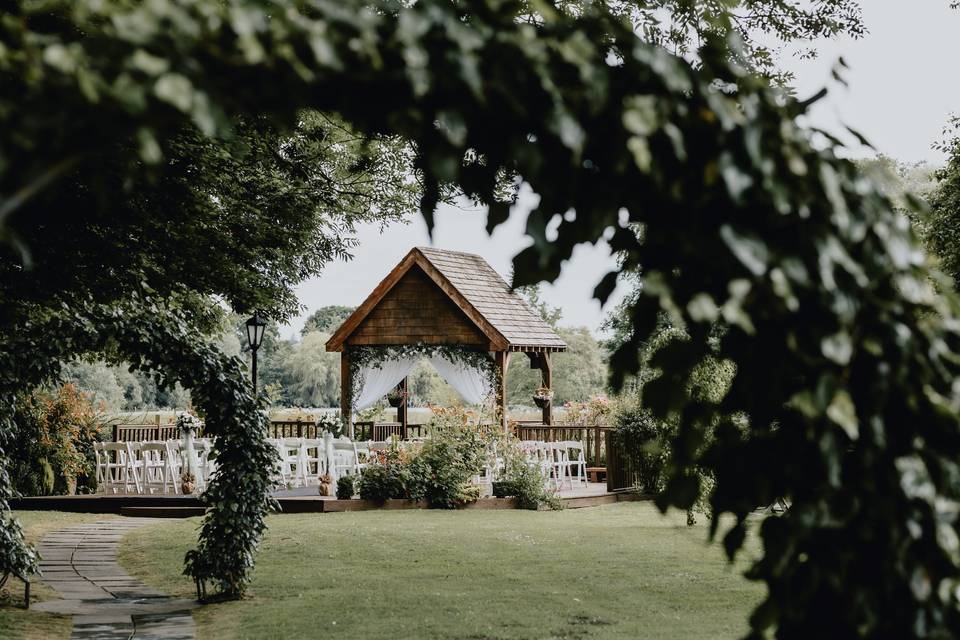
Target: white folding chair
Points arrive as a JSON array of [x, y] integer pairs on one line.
[[161, 467], [313, 459], [345, 458], [363, 455], [575, 464], [291, 458], [135, 465], [99, 465], [555, 460], [206, 463], [115, 467]]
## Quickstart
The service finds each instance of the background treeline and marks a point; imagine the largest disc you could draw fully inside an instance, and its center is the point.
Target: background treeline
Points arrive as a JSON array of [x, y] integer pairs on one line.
[[299, 372]]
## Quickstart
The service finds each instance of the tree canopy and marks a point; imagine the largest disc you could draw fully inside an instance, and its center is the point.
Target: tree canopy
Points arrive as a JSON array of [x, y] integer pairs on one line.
[[327, 319], [845, 357]]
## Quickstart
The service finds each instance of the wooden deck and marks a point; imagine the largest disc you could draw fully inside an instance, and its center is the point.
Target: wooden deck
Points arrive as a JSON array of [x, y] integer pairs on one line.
[[301, 500]]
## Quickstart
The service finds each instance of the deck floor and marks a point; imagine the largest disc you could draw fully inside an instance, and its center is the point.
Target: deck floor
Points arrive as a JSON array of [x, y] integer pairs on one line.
[[579, 490]]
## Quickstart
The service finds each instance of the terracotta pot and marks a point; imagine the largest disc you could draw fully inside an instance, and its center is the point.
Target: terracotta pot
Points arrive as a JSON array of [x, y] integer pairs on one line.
[[187, 488]]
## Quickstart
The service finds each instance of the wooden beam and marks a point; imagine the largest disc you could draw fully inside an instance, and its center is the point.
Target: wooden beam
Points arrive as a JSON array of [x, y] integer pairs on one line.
[[402, 409], [546, 376], [346, 391], [502, 359]]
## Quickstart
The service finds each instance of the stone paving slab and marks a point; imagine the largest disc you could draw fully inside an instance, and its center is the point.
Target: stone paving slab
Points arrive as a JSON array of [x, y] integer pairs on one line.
[[80, 564]]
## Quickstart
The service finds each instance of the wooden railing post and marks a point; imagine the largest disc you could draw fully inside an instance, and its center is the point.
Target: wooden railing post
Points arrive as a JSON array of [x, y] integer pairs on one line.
[[596, 445]]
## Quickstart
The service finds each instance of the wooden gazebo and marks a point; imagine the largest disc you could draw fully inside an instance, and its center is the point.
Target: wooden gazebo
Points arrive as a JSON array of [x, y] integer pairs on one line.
[[434, 296]]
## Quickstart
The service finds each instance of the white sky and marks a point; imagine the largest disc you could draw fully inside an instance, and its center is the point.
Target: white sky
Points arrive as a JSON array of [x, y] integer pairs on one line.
[[902, 90]]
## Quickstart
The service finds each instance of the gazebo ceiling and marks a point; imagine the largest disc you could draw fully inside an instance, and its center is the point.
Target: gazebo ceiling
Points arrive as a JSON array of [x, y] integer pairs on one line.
[[451, 297]]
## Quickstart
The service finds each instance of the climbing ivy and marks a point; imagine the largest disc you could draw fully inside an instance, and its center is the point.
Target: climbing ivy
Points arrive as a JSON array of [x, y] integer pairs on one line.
[[162, 341]]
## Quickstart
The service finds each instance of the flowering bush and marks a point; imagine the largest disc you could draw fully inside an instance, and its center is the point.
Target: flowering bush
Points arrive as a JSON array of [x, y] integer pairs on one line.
[[387, 475], [52, 445], [598, 410], [440, 471]]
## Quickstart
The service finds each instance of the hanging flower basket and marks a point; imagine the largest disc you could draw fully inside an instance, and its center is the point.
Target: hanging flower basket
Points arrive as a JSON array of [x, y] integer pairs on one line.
[[543, 396], [396, 398]]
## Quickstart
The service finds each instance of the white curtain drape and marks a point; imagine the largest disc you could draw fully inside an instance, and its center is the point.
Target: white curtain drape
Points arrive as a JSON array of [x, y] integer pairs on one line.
[[379, 378], [473, 384]]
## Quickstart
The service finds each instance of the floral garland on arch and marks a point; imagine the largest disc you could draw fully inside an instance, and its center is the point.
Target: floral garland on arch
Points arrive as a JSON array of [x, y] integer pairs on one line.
[[361, 357]]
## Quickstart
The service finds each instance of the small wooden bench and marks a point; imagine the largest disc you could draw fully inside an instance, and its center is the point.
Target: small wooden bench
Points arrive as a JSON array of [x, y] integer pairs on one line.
[[594, 474]]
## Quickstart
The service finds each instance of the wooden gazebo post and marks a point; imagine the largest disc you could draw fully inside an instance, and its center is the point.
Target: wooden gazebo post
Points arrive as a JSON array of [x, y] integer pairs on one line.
[[502, 359], [346, 393], [546, 376], [402, 409]]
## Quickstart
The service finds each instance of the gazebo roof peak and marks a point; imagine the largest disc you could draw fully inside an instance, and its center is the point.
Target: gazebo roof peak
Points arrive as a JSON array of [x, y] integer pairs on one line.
[[474, 287]]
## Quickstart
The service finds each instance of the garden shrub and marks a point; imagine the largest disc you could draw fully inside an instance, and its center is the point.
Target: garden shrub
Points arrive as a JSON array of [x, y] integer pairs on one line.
[[379, 482], [646, 442], [388, 476], [345, 487], [443, 469], [504, 488], [522, 480], [529, 485], [52, 442]]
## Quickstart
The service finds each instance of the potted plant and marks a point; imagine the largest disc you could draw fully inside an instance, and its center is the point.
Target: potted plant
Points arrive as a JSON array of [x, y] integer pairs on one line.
[[187, 483], [542, 396], [397, 397]]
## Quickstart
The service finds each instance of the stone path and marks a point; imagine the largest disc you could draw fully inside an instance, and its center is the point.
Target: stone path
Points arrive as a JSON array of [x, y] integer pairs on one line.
[[80, 563]]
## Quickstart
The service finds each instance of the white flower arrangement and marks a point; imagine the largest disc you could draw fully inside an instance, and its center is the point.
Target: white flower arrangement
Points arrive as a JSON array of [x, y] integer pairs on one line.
[[329, 422], [187, 422]]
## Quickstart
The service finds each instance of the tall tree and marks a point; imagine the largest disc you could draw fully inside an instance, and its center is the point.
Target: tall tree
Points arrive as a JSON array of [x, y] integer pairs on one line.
[[326, 319], [942, 230]]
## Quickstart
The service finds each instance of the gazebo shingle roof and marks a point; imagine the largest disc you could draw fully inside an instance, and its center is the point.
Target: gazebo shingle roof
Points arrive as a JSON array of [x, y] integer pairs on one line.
[[483, 287], [478, 290]]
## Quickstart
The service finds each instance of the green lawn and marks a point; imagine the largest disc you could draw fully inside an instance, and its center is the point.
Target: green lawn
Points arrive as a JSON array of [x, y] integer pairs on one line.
[[15, 623], [620, 571]]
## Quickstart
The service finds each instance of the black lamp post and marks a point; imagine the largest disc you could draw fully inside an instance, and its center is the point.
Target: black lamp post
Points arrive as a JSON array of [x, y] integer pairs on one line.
[[256, 326]]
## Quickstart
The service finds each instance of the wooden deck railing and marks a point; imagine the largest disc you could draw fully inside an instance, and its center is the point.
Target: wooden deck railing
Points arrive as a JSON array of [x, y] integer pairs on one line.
[[293, 429], [380, 431], [144, 432], [621, 468]]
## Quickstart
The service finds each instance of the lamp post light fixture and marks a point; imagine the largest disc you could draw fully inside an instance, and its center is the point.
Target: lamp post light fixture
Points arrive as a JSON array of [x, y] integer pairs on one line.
[[256, 327]]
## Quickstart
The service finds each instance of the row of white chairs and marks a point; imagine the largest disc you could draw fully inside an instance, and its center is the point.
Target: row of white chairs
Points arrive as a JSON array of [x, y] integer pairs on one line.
[[157, 466], [303, 461], [561, 462], [151, 467]]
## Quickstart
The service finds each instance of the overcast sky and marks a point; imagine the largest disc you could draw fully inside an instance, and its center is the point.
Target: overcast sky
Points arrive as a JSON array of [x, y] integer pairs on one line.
[[902, 90]]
